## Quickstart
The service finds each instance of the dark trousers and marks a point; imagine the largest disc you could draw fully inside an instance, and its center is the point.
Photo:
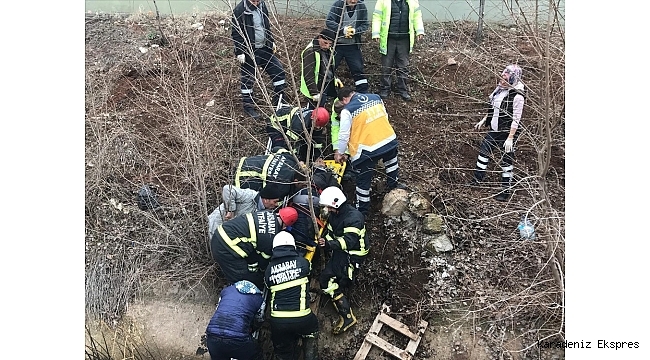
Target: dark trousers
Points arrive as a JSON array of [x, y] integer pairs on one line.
[[397, 57], [354, 58], [264, 59], [234, 267], [277, 139], [365, 165], [493, 143], [285, 333], [225, 349], [338, 274], [328, 92]]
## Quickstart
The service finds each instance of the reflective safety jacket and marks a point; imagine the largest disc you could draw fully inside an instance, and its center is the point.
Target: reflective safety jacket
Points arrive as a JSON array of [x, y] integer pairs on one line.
[[346, 232], [287, 277], [334, 126], [314, 68], [290, 120], [381, 22], [235, 314], [370, 130], [250, 235], [254, 172]]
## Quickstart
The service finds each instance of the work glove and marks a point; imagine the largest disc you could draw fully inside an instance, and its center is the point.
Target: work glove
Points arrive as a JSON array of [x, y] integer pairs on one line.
[[508, 145], [349, 31], [480, 123], [338, 82], [275, 48], [241, 58], [316, 97]]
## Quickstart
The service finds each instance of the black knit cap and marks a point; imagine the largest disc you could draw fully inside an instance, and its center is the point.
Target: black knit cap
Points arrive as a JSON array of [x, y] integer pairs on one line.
[[327, 34], [270, 191]]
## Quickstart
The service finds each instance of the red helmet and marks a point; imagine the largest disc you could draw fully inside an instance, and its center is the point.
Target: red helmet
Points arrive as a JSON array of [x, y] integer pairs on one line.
[[288, 215], [322, 116]]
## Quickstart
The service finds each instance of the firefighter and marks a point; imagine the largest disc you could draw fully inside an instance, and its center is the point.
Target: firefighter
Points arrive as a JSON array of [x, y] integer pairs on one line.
[[287, 277], [242, 246], [238, 202], [345, 236], [239, 312], [296, 123], [279, 168]]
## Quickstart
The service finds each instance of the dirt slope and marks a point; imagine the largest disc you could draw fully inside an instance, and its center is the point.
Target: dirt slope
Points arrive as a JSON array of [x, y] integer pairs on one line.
[[170, 116]]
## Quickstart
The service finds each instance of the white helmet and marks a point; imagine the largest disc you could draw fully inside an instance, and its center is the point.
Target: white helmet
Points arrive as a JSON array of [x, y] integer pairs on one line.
[[283, 238], [332, 196]]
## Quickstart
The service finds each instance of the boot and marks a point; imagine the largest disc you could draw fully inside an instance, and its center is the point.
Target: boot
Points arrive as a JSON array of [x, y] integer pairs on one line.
[[503, 196], [279, 98], [346, 317], [250, 111], [310, 347]]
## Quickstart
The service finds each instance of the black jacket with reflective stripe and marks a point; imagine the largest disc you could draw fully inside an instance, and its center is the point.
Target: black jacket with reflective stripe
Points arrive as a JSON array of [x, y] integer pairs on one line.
[[287, 277], [346, 232], [290, 121], [258, 243], [254, 172]]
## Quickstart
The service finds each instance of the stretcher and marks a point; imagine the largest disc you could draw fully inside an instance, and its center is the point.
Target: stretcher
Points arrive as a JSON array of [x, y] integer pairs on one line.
[[338, 169]]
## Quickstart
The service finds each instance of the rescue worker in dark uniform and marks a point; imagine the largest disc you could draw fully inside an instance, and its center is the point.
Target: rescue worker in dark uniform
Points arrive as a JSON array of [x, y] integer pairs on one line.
[[279, 167], [504, 115], [314, 70], [243, 246], [287, 277], [349, 18], [240, 311], [345, 236], [255, 46], [289, 120]]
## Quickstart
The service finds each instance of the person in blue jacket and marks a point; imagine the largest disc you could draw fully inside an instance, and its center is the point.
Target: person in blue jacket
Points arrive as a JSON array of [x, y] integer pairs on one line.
[[239, 312]]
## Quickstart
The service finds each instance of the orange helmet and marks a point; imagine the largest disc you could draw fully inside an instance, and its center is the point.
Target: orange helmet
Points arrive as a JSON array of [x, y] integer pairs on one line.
[[288, 215], [322, 116]]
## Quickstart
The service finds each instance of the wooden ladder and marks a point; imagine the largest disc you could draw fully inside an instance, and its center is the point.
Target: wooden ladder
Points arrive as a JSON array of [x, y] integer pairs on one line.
[[372, 338]]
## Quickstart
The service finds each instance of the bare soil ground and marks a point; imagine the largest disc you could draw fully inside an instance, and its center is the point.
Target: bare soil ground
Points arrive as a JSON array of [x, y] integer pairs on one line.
[[170, 116]]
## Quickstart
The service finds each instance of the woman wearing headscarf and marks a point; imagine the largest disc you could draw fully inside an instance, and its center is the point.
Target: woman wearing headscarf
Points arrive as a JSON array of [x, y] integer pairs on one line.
[[503, 119]]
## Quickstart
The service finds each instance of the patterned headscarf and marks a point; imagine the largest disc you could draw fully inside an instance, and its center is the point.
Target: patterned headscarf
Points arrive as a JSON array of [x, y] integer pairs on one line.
[[515, 73], [514, 80], [247, 287]]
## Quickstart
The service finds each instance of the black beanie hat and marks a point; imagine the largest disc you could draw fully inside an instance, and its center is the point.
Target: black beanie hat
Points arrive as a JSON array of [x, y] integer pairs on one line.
[[270, 192], [327, 34]]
